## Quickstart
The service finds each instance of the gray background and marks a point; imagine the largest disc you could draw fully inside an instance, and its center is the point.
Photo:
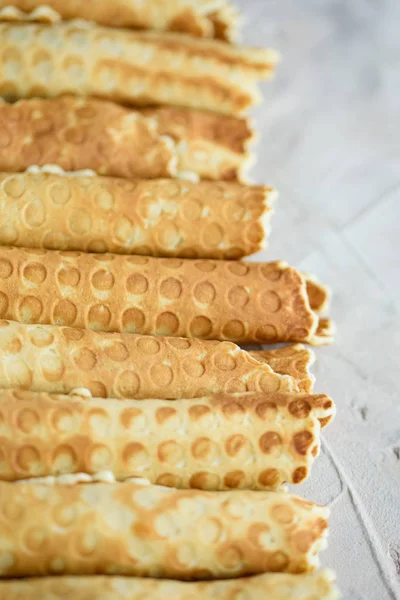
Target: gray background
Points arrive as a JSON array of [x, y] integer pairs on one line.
[[330, 142]]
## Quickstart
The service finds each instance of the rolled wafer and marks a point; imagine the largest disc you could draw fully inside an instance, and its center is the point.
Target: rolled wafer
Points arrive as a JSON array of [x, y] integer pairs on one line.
[[222, 442], [134, 68], [213, 146], [225, 300], [158, 217], [81, 134], [60, 359], [78, 133], [201, 18], [137, 529], [269, 586]]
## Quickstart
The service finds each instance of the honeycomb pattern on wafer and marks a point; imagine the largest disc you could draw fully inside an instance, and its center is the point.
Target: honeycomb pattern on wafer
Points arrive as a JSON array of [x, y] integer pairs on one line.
[[159, 217], [137, 529], [271, 586], [142, 68], [59, 359], [226, 300], [77, 133], [247, 441]]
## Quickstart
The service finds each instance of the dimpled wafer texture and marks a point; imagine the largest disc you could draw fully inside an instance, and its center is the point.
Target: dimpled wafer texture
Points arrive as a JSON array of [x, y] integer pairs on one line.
[[134, 528], [227, 441], [83, 134], [225, 300], [77, 133], [159, 217], [271, 586], [140, 68], [213, 146], [202, 18], [60, 359]]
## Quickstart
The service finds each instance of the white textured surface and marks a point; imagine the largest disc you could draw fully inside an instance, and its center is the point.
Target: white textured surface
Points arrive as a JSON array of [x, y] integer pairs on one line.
[[330, 142]]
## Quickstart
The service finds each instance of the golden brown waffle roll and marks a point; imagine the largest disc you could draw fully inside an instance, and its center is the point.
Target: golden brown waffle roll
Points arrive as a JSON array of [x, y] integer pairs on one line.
[[225, 300], [227, 441], [293, 360], [77, 133], [202, 18], [83, 134], [60, 359], [134, 528], [271, 586], [135, 68], [158, 217], [213, 146]]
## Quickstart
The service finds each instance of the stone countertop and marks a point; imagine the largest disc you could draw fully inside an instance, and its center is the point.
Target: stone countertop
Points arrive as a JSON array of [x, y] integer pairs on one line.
[[330, 142]]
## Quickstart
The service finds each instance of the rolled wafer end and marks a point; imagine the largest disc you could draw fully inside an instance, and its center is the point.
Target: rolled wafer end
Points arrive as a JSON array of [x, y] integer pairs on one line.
[[319, 295], [324, 333], [271, 196], [214, 146], [295, 361]]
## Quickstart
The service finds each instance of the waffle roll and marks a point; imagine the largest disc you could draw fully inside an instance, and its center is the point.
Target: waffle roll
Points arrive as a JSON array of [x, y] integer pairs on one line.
[[201, 18], [47, 358], [269, 586], [134, 528], [128, 67], [78, 134], [222, 442], [225, 300], [158, 217], [87, 133]]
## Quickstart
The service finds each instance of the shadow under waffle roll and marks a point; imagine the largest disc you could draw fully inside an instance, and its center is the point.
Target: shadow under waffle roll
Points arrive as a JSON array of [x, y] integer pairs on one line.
[[134, 528], [270, 586], [224, 300], [226, 441]]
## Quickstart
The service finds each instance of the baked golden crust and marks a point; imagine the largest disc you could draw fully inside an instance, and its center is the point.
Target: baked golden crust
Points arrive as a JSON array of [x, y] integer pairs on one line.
[[158, 217], [225, 300], [136, 529], [134, 68], [271, 586], [213, 146], [77, 133], [202, 18], [85, 133], [222, 442], [60, 359]]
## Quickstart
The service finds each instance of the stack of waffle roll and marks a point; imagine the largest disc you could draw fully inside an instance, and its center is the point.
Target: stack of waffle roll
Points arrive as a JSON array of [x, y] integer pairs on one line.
[[143, 452]]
